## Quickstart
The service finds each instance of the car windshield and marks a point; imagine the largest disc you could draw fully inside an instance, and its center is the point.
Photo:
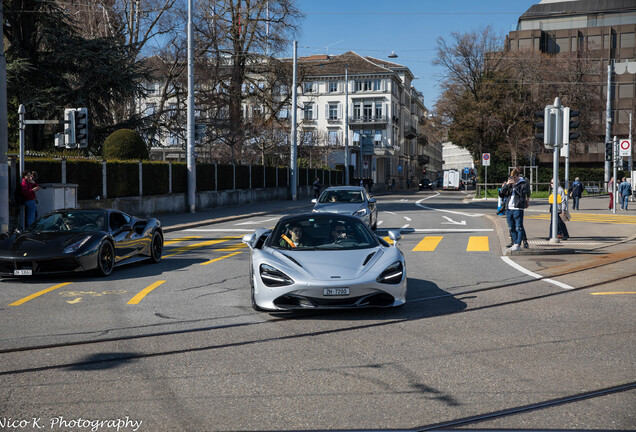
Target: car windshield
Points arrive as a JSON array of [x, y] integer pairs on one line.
[[328, 232], [79, 221], [341, 196]]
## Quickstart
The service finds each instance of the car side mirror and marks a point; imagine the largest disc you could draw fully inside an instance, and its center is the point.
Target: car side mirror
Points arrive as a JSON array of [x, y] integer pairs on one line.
[[395, 236], [125, 227], [248, 239], [372, 200], [314, 200]]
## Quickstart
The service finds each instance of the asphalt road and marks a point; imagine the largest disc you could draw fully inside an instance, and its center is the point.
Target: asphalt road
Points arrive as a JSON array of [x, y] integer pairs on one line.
[[177, 347]]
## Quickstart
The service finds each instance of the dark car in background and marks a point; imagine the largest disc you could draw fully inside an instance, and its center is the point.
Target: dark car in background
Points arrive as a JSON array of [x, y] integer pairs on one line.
[[426, 184]]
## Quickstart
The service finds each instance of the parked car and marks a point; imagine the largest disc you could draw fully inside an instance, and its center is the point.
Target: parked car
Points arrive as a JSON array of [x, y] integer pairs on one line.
[[348, 200], [75, 240], [426, 184], [324, 261]]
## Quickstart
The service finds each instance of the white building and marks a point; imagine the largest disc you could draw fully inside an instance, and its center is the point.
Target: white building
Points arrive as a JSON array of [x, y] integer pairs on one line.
[[456, 158]]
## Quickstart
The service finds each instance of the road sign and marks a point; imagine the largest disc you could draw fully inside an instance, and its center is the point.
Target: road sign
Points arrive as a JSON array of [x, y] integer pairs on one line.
[[625, 147], [466, 170], [485, 159]]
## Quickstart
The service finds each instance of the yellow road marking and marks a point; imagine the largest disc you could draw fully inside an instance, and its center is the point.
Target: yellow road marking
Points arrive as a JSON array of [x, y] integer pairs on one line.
[[220, 258], [614, 293], [141, 294], [177, 251], [173, 241], [37, 294], [388, 239], [428, 243], [478, 244]]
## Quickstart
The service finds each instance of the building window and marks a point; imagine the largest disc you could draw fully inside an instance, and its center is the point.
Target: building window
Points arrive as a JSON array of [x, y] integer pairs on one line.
[[377, 85], [573, 40], [309, 112], [334, 138], [333, 86], [378, 110], [333, 111], [151, 88], [357, 110], [563, 44], [283, 113], [625, 91], [368, 110], [150, 109], [364, 85], [594, 42], [627, 40], [377, 138], [623, 116], [308, 137], [309, 87]]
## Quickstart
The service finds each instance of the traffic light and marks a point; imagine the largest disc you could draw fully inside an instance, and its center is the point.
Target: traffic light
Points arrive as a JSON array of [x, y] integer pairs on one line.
[[569, 124], [609, 150], [424, 171], [69, 129], [81, 127], [545, 128]]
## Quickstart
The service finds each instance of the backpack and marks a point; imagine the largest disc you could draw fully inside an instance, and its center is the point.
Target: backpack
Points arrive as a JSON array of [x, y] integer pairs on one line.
[[18, 197]]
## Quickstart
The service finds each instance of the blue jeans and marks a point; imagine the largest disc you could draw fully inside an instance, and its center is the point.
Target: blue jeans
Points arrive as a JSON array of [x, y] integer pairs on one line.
[[624, 201], [575, 204], [515, 224], [31, 212]]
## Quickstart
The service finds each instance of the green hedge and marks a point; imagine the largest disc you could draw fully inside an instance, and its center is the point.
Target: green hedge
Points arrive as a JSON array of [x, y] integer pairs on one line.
[[126, 174], [87, 175]]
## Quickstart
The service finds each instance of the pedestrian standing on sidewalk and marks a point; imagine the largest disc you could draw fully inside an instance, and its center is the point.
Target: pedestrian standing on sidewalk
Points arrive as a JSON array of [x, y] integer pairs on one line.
[[610, 190], [625, 191], [576, 193], [316, 187], [515, 190], [562, 208], [29, 188]]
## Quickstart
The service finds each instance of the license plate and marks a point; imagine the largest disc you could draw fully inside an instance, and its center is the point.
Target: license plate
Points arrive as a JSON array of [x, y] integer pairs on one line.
[[336, 291], [24, 272]]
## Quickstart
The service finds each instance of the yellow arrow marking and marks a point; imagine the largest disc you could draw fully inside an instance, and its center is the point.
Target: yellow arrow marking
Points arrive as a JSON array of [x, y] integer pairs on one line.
[[77, 300], [141, 294], [37, 294]]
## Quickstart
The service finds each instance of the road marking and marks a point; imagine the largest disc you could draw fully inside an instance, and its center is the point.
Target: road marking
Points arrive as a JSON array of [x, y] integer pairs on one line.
[[405, 226], [425, 230], [428, 244], [255, 222], [478, 244], [614, 293], [173, 241], [141, 294], [452, 222], [37, 294], [77, 300], [221, 229], [511, 263], [182, 249], [220, 258], [419, 204], [594, 218], [408, 219]]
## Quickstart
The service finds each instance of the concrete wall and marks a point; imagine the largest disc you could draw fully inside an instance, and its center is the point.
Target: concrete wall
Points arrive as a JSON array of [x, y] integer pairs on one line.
[[176, 203]]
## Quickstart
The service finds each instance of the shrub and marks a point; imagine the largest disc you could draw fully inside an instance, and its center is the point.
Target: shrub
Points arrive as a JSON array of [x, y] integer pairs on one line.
[[125, 144]]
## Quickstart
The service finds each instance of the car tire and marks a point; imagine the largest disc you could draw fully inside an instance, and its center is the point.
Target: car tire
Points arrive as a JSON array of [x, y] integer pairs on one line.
[[105, 258], [156, 247], [256, 307]]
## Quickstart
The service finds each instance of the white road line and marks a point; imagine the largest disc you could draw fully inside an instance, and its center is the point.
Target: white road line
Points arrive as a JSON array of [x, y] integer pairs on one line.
[[255, 222], [220, 229], [408, 219], [511, 263], [452, 230], [380, 223], [405, 226], [419, 204]]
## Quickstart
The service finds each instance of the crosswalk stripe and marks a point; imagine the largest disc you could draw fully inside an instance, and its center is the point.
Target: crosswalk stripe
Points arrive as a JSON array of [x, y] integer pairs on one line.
[[176, 251], [478, 244], [428, 244], [615, 219], [177, 240]]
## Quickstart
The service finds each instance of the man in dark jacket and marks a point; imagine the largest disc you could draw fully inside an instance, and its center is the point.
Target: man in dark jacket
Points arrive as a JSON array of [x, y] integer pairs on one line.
[[576, 193], [516, 192]]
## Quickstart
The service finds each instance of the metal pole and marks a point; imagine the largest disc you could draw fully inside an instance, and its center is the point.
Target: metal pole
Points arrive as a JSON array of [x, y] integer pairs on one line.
[[294, 137], [21, 113], [615, 173], [631, 148], [4, 140], [558, 142], [192, 175], [608, 118], [486, 182], [346, 131]]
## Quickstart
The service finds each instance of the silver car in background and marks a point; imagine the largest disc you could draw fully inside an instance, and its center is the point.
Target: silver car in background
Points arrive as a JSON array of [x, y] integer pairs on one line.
[[348, 200], [324, 261]]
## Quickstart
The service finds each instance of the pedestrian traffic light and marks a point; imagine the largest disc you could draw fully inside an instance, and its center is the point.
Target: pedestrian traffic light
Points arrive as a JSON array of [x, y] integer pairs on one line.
[[424, 171], [81, 127], [609, 150], [569, 124]]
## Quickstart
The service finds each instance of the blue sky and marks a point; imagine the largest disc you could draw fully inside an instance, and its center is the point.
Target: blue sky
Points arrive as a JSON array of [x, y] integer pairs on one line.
[[408, 27]]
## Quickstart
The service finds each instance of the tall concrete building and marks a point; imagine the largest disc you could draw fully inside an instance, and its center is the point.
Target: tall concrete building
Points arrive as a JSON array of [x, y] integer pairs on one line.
[[607, 28]]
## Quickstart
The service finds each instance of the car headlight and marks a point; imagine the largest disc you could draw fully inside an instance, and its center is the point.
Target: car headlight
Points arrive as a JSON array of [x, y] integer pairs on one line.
[[75, 246], [360, 212], [272, 277], [392, 274]]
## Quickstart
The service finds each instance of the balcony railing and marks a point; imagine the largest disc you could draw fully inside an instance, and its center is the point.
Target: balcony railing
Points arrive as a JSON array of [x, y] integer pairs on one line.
[[410, 132], [368, 120]]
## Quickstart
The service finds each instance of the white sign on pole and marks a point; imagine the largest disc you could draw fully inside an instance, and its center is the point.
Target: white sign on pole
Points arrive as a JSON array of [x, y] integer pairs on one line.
[[625, 147], [485, 159]]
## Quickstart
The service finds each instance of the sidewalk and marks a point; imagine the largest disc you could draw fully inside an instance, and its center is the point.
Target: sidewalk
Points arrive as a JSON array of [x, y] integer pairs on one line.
[[592, 227]]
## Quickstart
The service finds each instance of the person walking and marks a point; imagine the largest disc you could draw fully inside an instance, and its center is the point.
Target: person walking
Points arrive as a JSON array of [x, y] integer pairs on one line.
[[515, 190], [625, 191], [316, 187], [29, 188], [610, 190], [562, 207], [576, 193]]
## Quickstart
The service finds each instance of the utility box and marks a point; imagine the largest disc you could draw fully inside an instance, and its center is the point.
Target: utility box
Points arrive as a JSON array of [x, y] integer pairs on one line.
[[53, 196]]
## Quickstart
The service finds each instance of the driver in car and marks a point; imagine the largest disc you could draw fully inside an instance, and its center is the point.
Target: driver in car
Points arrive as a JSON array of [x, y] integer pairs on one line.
[[293, 237], [339, 232]]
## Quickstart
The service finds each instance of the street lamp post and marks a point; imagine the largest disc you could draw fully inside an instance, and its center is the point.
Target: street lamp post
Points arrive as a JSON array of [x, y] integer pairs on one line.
[[346, 153]]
